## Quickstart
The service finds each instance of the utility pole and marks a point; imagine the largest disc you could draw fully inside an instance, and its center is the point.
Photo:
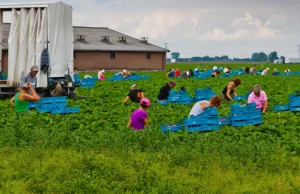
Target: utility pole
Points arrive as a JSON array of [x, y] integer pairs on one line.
[[166, 47], [298, 50]]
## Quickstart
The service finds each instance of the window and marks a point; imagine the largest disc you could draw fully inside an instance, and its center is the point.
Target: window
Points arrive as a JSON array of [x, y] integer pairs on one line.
[[112, 55], [148, 55]]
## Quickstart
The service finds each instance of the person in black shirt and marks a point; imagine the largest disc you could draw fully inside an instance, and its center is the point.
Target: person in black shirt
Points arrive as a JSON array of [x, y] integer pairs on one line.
[[230, 89], [164, 91], [135, 94], [247, 70]]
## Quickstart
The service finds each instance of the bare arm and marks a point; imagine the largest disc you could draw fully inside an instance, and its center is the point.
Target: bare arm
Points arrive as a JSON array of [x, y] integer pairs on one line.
[[126, 99], [12, 101], [167, 76], [265, 106], [146, 121], [129, 124], [142, 95]]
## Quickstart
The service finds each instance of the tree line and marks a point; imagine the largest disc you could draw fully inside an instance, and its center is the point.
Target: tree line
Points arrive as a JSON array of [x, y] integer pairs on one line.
[[256, 57]]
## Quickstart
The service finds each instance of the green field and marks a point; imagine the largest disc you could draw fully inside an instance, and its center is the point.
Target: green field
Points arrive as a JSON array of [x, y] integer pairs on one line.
[[94, 152]]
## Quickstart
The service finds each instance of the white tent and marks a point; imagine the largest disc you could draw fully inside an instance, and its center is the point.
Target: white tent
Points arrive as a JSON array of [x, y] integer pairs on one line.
[[34, 27]]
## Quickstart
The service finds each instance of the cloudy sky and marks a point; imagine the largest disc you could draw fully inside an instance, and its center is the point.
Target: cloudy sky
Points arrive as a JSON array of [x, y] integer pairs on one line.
[[236, 28]]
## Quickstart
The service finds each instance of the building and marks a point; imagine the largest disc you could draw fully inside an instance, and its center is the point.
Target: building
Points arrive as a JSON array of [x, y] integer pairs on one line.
[[97, 48], [292, 60], [278, 61]]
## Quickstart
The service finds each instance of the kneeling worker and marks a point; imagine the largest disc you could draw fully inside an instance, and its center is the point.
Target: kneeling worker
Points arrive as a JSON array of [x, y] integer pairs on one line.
[[259, 97], [230, 89], [164, 91], [135, 94], [200, 106]]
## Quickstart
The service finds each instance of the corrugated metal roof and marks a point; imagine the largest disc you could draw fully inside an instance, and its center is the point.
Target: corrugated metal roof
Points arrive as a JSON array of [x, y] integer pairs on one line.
[[93, 41]]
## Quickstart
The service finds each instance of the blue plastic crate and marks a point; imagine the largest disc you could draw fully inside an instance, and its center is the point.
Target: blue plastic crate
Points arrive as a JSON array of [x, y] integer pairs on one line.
[[240, 123], [238, 98], [249, 116], [33, 105], [44, 110], [66, 110], [295, 109], [189, 122], [203, 128], [224, 121], [171, 127], [283, 107], [247, 108]]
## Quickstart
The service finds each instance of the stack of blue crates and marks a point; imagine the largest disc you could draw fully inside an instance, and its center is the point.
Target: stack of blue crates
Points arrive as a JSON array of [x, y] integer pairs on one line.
[[171, 127], [204, 94], [206, 121], [203, 75], [294, 103], [243, 115], [175, 97], [133, 77], [54, 105], [293, 106], [87, 83]]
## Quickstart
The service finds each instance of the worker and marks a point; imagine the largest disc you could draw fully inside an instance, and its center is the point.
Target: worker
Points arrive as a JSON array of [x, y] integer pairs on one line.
[[215, 68], [164, 91], [247, 70], [139, 118], [135, 94], [184, 74], [265, 72], [275, 72], [21, 99], [287, 70], [170, 74], [191, 73], [253, 70], [230, 89], [259, 97], [31, 77], [101, 75], [200, 106], [215, 73], [177, 73]]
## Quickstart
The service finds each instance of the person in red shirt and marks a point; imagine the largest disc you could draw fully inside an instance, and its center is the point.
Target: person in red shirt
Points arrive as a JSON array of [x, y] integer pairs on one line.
[[177, 73]]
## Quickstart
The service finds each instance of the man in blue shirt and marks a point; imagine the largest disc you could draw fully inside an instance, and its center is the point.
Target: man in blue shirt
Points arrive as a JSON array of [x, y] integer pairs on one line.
[[31, 77]]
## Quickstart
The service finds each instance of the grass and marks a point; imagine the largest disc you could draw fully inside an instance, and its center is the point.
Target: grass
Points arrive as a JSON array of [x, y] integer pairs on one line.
[[93, 152]]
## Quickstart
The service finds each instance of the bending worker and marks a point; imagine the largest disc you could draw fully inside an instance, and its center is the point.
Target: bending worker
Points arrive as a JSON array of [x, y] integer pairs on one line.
[[200, 106], [164, 91], [259, 97], [21, 99], [230, 89], [135, 94]]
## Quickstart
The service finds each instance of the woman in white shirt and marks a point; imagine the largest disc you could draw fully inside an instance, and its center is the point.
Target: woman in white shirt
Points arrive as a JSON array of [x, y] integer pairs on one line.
[[200, 106]]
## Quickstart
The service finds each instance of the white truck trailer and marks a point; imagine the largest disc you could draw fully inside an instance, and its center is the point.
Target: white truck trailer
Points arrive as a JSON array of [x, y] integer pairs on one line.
[[35, 27]]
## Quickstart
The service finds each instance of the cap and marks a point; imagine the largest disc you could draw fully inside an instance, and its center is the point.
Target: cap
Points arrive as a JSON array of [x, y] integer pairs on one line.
[[35, 68], [133, 86], [145, 101]]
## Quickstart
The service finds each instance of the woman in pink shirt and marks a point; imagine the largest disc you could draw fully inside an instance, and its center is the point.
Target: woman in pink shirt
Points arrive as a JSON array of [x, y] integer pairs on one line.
[[139, 118], [259, 97]]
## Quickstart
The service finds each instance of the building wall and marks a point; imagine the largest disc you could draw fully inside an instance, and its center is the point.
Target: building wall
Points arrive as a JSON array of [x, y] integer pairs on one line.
[[4, 61], [123, 60]]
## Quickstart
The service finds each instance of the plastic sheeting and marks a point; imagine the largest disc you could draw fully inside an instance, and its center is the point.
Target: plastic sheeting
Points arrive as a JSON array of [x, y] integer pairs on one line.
[[60, 35], [28, 37], [13, 42]]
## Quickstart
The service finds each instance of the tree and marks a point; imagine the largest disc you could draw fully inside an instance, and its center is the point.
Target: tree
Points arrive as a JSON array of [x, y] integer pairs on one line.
[[254, 57], [263, 57], [273, 56], [282, 58], [175, 55]]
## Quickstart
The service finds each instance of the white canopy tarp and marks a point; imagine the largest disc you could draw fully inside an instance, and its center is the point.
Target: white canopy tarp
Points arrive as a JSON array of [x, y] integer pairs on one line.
[[31, 27]]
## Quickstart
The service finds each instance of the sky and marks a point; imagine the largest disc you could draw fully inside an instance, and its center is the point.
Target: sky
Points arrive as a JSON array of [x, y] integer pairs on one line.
[[236, 28]]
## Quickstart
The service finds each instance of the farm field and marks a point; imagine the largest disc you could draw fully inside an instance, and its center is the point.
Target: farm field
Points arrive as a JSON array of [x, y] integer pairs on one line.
[[94, 152]]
